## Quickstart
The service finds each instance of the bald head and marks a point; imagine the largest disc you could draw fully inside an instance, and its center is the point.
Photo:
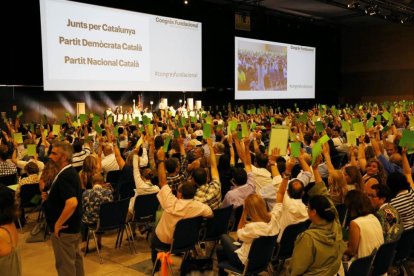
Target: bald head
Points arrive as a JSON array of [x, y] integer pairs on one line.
[[396, 159], [107, 150]]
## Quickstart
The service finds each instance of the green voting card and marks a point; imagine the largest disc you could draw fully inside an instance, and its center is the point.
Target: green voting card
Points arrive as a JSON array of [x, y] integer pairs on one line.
[[295, 149], [351, 137], [279, 139], [359, 128], [319, 127], [18, 138], [166, 143], [245, 130], [56, 130], [206, 131]]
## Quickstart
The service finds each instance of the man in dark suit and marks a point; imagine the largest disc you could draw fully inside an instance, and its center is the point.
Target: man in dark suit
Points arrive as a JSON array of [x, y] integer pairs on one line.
[[63, 212]]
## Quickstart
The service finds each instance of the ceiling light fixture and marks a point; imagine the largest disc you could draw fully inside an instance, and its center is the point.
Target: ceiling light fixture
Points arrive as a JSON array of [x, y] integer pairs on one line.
[[353, 5], [371, 10]]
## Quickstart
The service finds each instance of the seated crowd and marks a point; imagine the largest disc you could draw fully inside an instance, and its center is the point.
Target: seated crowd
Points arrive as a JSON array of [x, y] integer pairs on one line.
[[197, 164]]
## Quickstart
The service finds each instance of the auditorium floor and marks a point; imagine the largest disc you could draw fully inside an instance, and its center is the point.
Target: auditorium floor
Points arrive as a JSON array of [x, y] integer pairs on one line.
[[38, 258]]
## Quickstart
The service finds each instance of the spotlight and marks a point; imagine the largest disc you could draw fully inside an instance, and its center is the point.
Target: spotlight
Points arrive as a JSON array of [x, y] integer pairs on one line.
[[405, 19], [372, 10], [185, 2], [353, 5]]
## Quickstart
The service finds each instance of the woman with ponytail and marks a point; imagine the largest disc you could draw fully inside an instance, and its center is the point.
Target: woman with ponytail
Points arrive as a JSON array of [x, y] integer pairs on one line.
[[318, 250]]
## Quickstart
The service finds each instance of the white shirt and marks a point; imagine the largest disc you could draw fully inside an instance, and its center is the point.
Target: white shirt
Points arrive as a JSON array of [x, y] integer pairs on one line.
[[109, 163], [254, 230], [21, 164], [371, 235], [175, 210], [263, 177], [142, 187], [269, 192], [293, 211]]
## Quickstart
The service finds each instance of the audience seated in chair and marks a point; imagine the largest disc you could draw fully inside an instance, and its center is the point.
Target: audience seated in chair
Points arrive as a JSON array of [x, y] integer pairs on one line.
[[91, 202]]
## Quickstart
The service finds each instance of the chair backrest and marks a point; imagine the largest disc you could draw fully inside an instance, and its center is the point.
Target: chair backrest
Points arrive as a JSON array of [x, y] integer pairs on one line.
[[287, 242], [361, 266], [219, 224], [113, 214], [260, 253], [237, 213], [342, 213], [384, 257], [186, 234], [8, 180], [404, 245], [145, 207], [113, 176], [27, 192]]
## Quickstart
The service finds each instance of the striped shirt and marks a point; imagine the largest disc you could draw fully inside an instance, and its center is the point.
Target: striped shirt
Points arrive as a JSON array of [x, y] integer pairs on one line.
[[79, 157], [404, 203]]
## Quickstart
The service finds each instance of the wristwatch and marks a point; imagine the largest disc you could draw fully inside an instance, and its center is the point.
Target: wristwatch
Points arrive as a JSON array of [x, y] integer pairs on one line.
[[286, 175]]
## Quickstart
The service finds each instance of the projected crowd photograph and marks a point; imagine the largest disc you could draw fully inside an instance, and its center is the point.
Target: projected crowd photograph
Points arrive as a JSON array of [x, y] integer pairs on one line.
[[262, 67]]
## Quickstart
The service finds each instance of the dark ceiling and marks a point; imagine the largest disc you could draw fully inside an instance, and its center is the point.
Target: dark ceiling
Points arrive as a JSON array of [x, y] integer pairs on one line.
[[343, 12]]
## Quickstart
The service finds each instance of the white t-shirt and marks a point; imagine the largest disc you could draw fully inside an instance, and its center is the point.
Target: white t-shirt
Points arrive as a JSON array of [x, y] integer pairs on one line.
[[371, 235]]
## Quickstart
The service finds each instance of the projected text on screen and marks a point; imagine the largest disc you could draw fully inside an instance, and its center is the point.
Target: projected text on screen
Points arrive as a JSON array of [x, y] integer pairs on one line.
[[88, 47]]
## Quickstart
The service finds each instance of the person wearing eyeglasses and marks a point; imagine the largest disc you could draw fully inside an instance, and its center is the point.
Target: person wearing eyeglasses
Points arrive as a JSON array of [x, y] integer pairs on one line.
[[387, 215]]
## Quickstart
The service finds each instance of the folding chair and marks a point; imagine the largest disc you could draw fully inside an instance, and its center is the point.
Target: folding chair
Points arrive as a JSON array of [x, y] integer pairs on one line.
[[258, 260], [384, 258], [113, 178], [342, 213], [217, 226], [186, 236], [145, 208], [362, 266], [234, 222], [403, 250], [284, 249], [8, 180], [112, 216], [27, 193]]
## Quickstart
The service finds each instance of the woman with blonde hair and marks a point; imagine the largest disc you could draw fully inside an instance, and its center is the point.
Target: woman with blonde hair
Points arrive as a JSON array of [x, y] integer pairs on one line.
[[89, 169], [255, 222], [353, 178], [337, 186], [336, 180]]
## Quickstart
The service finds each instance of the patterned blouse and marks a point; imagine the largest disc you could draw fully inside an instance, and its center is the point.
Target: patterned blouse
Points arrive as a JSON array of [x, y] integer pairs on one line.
[[91, 203]]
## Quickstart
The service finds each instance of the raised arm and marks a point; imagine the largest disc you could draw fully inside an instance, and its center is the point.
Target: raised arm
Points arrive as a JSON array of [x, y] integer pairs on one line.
[[118, 157], [247, 157], [327, 155], [213, 161], [353, 161], [316, 173], [361, 154], [272, 162], [255, 144], [239, 150], [232, 158], [162, 175], [282, 189]]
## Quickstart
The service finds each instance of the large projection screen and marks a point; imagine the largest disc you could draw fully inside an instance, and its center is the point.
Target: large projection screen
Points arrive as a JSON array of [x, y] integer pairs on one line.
[[271, 70], [87, 47]]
